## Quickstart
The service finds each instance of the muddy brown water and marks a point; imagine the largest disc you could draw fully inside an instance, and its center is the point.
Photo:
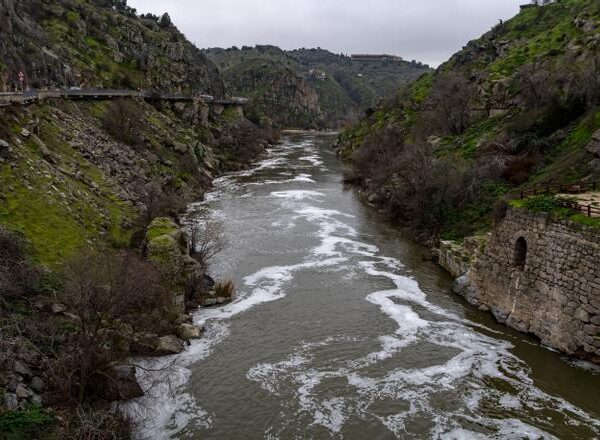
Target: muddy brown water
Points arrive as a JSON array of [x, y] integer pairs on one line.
[[341, 331]]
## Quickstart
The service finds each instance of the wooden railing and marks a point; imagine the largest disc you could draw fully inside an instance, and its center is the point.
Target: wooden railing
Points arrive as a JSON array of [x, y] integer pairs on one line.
[[574, 188]]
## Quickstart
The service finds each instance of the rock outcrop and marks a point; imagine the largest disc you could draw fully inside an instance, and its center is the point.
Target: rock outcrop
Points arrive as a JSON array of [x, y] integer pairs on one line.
[[93, 44], [309, 88]]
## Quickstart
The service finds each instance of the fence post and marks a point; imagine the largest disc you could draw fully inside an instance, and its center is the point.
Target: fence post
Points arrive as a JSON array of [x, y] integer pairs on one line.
[[522, 195], [589, 210]]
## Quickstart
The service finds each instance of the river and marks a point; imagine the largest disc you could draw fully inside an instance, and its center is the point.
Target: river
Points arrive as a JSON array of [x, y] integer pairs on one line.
[[340, 330]]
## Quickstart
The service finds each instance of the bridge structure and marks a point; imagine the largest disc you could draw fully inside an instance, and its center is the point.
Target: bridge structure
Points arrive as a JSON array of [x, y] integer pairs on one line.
[[32, 96]]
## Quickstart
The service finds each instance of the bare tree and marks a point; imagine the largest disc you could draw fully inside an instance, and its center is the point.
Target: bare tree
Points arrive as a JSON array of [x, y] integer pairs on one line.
[[207, 240], [123, 121], [108, 296], [452, 98]]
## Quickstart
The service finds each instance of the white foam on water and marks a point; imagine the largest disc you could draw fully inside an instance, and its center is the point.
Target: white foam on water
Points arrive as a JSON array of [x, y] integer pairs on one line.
[[297, 194], [301, 178], [479, 359], [165, 410], [297, 377], [314, 160]]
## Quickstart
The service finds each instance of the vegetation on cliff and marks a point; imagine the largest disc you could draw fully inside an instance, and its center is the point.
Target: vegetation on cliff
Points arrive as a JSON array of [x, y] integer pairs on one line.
[[309, 88], [514, 109], [98, 43], [94, 265]]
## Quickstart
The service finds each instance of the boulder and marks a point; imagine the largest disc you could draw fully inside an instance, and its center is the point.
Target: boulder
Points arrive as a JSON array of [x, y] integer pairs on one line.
[[594, 145], [11, 402], [58, 309], [123, 384], [144, 344], [37, 384], [168, 345], [23, 392], [22, 369], [4, 150], [36, 399], [44, 151], [165, 241], [180, 147], [189, 331], [25, 133]]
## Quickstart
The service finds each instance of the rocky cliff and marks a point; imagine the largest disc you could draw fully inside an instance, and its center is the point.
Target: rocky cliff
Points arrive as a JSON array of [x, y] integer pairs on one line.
[[98, 43], [277, 94], [311, 88]]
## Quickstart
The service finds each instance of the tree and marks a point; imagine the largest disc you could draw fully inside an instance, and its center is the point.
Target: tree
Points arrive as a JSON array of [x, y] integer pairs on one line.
[[165, 21], [123, 121], [206, 241], [109, 296], [452, 97]]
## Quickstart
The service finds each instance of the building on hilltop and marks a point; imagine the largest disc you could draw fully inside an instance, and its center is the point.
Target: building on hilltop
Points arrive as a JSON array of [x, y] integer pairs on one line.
[[366, 58], [319, 75]]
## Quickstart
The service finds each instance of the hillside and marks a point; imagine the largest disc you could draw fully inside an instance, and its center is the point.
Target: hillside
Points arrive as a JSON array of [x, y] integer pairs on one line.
[[513, 109], [310, 88], [98, 43], [94, 264]]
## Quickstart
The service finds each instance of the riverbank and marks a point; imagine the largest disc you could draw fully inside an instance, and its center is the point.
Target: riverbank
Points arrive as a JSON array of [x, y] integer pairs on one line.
[[339, 326], [537, 274]]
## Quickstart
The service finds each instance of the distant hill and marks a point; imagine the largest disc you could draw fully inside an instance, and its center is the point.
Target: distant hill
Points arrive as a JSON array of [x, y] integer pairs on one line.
[[310, 88]]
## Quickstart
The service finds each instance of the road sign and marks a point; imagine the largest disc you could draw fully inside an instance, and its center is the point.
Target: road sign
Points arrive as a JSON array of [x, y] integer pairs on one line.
[[21, 76]]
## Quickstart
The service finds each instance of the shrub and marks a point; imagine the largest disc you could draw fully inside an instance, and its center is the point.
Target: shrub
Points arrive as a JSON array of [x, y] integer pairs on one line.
[[123, 121], [159, 201], [24, 424], [17, 274], [110, 295], [225, 289], [544, 203]]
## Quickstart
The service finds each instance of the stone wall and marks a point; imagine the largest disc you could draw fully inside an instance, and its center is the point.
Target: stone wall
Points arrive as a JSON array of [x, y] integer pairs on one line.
[[542, 276]]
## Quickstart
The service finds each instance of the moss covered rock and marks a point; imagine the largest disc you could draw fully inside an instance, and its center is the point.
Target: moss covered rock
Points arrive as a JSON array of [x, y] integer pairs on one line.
[[167, 244]]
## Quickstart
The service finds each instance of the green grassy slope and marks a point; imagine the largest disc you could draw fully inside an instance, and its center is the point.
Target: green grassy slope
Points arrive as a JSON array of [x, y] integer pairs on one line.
[[533, 106]]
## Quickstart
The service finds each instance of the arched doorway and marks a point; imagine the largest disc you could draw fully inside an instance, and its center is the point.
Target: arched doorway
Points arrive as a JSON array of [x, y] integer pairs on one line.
[[520, 258]]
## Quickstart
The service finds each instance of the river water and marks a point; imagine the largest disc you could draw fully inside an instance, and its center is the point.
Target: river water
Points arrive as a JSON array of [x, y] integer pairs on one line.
[[341, 331]]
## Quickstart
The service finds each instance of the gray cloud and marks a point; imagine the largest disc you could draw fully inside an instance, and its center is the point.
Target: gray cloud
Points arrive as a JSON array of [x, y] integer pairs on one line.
[[426, 30]]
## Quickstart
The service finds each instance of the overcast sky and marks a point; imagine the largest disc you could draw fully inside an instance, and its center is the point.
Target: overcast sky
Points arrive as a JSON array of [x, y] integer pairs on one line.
[[426, 30]]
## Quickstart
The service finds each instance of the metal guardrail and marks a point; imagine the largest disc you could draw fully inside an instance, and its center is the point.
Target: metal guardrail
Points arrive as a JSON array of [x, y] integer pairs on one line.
[[8, 98]]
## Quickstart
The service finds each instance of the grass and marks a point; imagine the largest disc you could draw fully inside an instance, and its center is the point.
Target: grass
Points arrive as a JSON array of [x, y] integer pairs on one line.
[[24, 424], [160, 227], [421, 88], [555, 206], [57, 213]]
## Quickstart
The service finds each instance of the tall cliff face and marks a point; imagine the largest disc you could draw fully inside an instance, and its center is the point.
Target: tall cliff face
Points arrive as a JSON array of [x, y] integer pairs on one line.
[[277, 93], [93, 44], [312, 88], [73, 173], [515, 108]]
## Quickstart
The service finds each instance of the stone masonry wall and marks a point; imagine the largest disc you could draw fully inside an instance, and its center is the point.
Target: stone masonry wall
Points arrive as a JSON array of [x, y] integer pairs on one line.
[[552, 290]]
